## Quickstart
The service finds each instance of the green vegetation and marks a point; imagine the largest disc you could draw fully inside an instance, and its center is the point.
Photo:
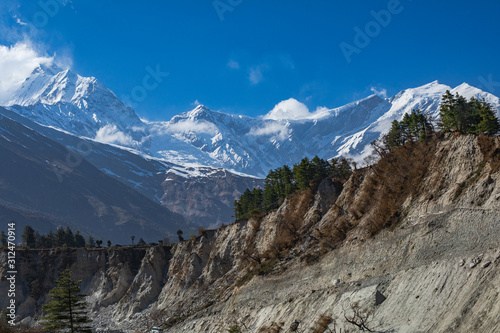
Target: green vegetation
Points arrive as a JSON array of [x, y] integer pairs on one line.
[[234, 329], [457, 115], [283, 182], [179, 234], [61, 238], [414, 127], [67, 309], [467, 117]]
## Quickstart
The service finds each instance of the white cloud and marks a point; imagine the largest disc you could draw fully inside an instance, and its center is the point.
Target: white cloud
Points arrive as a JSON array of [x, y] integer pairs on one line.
[[270, 63], [111, 134], [233, 64], [16, 63], [18, 21], [291, 109], [255, 75], [277, 130], [190, 125], [381, 92]]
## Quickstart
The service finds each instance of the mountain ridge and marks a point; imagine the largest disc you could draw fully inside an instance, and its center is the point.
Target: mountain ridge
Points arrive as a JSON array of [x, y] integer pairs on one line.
[[252, 145]]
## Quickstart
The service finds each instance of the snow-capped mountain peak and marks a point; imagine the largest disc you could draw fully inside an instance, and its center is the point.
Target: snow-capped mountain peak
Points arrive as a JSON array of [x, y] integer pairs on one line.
[[52, 84], [80, 105], [83, 106]]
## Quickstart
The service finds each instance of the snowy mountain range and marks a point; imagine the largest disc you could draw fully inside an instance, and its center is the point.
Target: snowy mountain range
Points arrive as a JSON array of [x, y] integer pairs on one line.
[[202, 137], [199, 161]]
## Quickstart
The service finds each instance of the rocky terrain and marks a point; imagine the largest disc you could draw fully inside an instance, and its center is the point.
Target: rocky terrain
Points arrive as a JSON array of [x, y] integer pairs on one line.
[[400, 247]]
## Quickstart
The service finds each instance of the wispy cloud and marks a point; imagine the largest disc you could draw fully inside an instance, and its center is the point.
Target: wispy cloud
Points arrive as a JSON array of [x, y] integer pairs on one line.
[[276, 130], [256, 75], [16, 63], [187, 126], [233, 64], [111, 134], [18, 20], [379, 91]]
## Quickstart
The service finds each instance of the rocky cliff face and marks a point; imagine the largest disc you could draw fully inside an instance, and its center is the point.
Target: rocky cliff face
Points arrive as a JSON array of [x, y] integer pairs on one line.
[[432, 266]]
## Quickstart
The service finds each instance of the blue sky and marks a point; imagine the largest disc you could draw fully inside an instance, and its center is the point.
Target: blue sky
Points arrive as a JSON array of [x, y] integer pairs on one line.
[[243, 56]]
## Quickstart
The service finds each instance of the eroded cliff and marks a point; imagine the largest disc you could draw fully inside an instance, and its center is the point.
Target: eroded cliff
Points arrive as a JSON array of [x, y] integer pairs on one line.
[[413, 246]]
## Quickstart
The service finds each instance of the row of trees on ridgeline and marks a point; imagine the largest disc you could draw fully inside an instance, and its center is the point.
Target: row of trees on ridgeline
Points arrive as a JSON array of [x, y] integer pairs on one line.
[[457, 114], [63, 237], [282, 182]]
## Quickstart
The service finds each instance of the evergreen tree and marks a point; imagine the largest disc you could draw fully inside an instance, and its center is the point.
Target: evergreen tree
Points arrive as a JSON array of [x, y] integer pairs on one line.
[[60, 237], [98, 242], [28, 237], [79, 241], [179, 234], [69, 238], [38, 240], [109, 243], [270, 198], [132, 238], [488, 122], [286, 177], [414, 126], [50, 239], [319, 169], [283, 182], [3, 238], [90, 242], [256, 201], [303, 173], [141, 242], [67, 309], [467, 117], [340, 169]]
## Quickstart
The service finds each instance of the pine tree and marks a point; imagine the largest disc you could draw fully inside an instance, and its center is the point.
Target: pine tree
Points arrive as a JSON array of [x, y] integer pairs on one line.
[[141, 242], [67, 309], [28, 236], [340, 169], [69, 238], [270, 197], [286, 176], [319, 168], [467, 117], [50, 239], [79, 241], [414, 126], [60, 237], [303, 173], [179, 234], [3, 238], [488, 121], [256, 201], [90, 242]]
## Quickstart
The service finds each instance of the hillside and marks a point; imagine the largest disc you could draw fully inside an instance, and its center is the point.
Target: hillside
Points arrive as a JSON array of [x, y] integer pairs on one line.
[[198, 162], [426, 262], [45, 185]]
